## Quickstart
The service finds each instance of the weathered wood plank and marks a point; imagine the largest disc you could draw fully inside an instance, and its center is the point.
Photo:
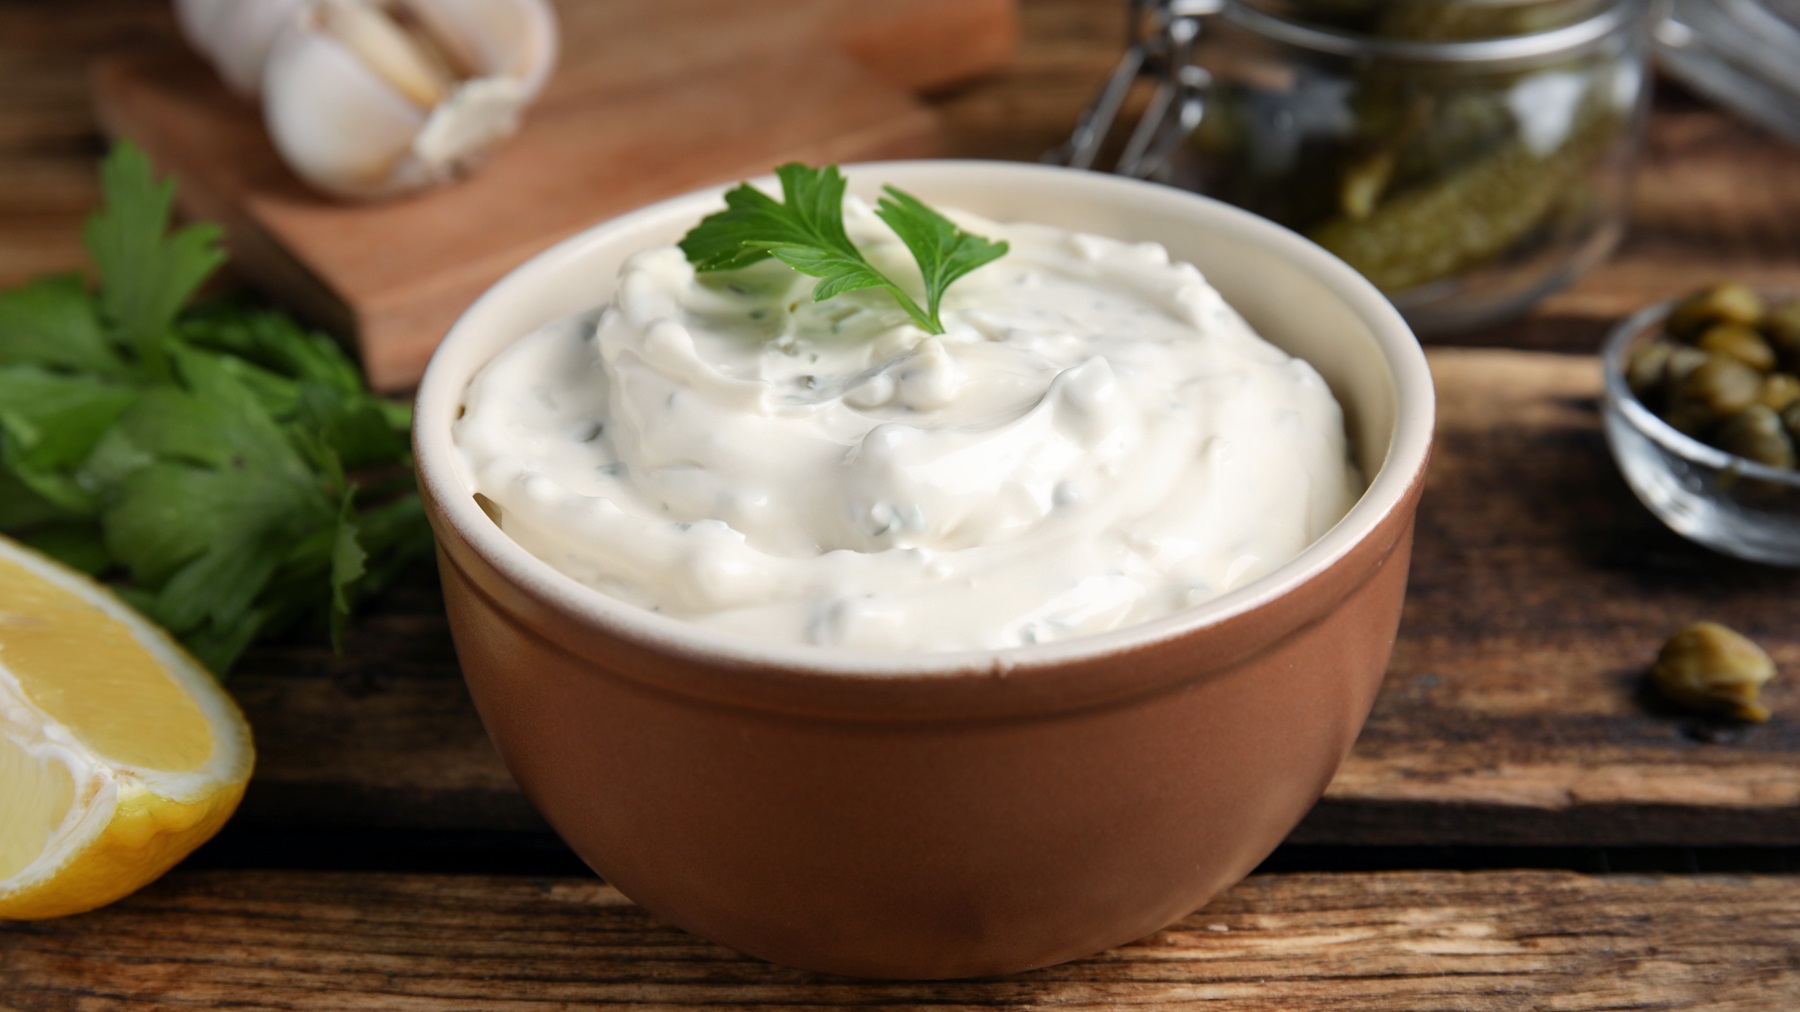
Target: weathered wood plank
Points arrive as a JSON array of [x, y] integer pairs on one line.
[[1480, 941]]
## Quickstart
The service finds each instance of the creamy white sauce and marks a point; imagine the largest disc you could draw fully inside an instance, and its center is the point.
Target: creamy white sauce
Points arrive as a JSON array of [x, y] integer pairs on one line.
[[1098, 440]]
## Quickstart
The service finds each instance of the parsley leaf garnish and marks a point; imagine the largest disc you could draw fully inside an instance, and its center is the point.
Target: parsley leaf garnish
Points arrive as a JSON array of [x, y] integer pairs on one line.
[[944, 252], [805, 230], [221, 466]]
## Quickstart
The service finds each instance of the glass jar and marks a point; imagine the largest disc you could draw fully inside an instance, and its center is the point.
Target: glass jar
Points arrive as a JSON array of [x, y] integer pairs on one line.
[[1468, 156]]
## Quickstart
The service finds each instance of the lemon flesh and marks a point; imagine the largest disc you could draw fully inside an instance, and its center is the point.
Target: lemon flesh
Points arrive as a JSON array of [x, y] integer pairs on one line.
[[119, 754]]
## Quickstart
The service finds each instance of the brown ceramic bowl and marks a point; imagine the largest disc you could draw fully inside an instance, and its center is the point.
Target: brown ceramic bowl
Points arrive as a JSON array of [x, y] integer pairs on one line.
[[944, 814]]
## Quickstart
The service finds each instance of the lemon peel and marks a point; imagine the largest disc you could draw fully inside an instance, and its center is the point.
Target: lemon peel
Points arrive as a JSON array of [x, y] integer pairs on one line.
[[119, 753]]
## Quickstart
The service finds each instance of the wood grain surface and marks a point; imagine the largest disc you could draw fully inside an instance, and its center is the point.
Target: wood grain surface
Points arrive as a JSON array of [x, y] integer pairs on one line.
[[1474, 942]]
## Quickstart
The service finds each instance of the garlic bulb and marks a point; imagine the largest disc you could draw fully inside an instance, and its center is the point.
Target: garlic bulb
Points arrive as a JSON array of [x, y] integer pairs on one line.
[[370, 98]]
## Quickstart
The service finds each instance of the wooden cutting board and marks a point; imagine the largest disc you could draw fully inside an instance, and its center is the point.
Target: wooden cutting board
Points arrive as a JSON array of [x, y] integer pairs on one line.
[[648, 100]]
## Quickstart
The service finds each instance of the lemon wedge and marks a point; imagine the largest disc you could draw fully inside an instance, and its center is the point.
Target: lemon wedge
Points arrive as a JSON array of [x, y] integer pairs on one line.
[[119, 753]]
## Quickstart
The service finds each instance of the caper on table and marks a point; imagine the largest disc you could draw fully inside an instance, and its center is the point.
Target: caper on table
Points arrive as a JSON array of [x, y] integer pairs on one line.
[[1726, 370], [1708, 666]]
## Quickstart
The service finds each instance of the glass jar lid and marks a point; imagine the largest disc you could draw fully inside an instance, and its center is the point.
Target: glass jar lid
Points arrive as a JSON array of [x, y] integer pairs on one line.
[[1434, 31], [1493, 33], [1434, 20]]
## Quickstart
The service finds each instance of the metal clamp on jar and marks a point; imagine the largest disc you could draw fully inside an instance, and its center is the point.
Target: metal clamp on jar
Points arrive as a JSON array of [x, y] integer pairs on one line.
[[1468, 156]]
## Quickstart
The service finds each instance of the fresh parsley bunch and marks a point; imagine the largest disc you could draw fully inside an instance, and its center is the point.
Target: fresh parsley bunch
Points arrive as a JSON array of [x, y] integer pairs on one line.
[[223, 467], [805, 230]]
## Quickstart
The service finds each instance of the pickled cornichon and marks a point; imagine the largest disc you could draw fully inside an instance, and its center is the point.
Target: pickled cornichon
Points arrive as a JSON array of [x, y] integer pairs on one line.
[[1463, 217]]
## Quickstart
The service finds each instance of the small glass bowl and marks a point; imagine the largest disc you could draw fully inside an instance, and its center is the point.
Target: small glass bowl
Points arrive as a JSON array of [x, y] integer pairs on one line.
[[1714, 498]]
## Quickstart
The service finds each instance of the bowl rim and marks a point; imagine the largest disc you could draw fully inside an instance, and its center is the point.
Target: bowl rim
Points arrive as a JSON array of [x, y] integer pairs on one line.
[[1619, 340], [1400, 471]]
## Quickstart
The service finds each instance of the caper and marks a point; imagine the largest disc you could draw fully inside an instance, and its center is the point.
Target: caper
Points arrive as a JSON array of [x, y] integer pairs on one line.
[[1645, 370], [1682, 363], [1717, 389], [1725, 302], [1708, 666], [1756, 433], [1790, 420], [1779, 390], [1782, 328], [1734, 340]]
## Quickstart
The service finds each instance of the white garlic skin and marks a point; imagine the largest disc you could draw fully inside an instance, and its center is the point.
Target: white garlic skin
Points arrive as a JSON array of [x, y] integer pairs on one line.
[[350, 113], [505, 38], [336, 123], [235, 35]]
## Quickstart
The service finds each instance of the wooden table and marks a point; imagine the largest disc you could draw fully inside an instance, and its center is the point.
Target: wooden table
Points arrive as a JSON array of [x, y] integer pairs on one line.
[[1521, 825]]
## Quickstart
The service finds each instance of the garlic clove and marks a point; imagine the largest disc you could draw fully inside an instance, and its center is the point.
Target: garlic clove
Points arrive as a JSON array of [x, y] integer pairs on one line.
[[195, 18], [516, 39], [337, 123], [400, 57], [235, 35]]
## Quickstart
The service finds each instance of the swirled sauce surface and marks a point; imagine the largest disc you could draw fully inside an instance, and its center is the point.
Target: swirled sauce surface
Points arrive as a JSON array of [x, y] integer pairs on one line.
[[1097, 440]]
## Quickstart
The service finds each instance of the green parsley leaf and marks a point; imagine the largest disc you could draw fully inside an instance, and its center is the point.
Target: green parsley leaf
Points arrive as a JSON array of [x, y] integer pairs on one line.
[[392, 534], [54, 322], [22, 510], [273, 341], [347, 566], [805, 230], [944, 252], [358, 432], [145, 275], [55, 419], [49, 423]]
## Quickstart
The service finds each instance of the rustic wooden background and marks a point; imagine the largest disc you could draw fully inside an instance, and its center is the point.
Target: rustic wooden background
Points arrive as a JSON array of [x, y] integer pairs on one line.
[[1514, 714]]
